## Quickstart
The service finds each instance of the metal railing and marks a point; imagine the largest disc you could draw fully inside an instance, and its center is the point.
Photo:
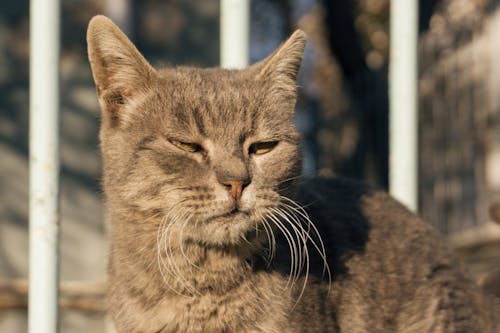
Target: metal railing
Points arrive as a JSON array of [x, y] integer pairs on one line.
[[403, 120], [44, 131], [44, 166]]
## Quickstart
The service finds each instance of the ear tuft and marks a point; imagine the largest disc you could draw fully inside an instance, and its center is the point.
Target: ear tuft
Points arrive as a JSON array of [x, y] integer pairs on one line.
[[118, 68]]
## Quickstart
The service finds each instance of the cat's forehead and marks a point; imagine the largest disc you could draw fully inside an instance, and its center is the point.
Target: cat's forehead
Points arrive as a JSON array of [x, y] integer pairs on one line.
[[131, 89], [218, 103], [212, 83]]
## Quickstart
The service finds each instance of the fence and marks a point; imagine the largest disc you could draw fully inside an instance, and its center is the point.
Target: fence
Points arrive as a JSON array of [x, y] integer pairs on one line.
[[454, 190]]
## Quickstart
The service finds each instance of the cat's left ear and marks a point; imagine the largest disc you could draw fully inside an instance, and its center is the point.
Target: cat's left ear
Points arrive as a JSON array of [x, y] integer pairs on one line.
[[282, 66]]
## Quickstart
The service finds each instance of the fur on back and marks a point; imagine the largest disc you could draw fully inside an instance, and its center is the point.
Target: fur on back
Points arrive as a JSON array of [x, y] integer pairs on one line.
[[212, 229]]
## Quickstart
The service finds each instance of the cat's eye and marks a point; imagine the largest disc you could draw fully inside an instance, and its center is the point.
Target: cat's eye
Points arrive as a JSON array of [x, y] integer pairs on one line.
[[261, 148], [190, 147]]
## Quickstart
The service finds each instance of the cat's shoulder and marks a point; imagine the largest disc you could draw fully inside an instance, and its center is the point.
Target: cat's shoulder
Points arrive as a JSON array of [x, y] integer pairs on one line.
[[365, 227], [339, 196], [351, 208]]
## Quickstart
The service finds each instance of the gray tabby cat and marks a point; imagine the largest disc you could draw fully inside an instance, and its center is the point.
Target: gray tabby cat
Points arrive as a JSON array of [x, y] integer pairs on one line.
[[212, 231]]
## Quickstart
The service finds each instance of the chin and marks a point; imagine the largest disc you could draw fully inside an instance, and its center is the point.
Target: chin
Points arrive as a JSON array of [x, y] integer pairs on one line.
[[228, 229]]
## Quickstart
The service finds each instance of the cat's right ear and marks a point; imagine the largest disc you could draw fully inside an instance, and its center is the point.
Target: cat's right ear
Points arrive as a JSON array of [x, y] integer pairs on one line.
[[120, 72], [280, 70]]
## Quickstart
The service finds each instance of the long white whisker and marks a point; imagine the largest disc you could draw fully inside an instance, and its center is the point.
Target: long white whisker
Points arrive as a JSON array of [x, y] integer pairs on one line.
[[161, 264], [304, 237], [301, 211], [291, 247], [320, 248], [168, 262], [174, 265], [168, 265], [290, 178], [294, 264], [301, 239], [181, 246], [291, 219], [296, 208], [270, 240]]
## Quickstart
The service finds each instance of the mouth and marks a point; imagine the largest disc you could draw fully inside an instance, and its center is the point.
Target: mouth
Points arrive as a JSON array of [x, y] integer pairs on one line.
[[233, 216]]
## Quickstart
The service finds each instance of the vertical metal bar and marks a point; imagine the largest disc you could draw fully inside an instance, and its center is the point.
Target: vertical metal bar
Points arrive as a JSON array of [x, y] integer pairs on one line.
[[234, 33], [403, 123], [120, 11], [44, 166]]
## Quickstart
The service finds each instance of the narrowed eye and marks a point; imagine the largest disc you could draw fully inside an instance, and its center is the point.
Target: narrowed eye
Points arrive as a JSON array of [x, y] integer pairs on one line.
[[261, 148], [187, 146]]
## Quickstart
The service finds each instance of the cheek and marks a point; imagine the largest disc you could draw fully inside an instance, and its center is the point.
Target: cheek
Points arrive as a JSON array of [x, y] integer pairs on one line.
[[179, 165], [158, 181], [270, 170], [249, 198]]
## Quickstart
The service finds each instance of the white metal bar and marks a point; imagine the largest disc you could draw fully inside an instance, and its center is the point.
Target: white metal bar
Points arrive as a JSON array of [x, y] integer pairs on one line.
[[44, 166], [120, 11], [403, 121], [234, 33]]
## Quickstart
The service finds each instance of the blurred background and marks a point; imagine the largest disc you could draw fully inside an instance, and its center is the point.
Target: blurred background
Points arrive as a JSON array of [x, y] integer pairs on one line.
[[342, 113]]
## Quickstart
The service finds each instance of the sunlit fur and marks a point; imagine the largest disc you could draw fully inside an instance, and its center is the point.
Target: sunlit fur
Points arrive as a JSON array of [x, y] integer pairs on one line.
[[185, 256], [176, 208]]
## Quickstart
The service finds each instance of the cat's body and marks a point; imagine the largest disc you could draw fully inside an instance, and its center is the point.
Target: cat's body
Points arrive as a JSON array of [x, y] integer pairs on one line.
[[391, 273], [201, 178]]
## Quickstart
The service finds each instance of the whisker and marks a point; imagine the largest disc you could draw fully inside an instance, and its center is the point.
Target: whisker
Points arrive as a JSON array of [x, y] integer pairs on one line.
[[295, 252], [181, 247], [166, 263], [270, 240], [291, 247], [300, 233], [167, 267], [305, 252], [174, 265], [291, 219], [291, 178], [300, 263], [319, 248], [161, 264]]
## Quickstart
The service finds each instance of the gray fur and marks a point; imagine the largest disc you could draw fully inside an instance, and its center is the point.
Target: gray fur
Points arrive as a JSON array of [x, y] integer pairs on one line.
[[187, 256]]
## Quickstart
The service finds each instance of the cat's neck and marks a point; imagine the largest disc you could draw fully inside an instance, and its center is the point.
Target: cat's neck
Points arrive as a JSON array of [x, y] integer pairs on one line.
[[214, 286], [186, 267]]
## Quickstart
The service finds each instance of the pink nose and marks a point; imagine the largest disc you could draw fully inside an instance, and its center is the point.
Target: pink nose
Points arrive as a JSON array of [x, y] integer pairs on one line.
[[235, 187]]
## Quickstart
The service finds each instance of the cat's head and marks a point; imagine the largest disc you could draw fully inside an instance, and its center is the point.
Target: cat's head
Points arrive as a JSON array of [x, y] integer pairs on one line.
[[210, 150]]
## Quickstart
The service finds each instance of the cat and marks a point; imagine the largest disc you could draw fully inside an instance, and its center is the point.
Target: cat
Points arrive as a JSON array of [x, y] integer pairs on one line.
[[212, 228]]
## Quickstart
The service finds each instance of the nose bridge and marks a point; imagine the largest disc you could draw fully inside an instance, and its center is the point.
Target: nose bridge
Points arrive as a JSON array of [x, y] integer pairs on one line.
[[230, 167]]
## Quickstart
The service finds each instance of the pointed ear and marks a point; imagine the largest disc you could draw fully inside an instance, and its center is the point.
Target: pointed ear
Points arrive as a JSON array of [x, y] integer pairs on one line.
[[282, 66], [120, 72]]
